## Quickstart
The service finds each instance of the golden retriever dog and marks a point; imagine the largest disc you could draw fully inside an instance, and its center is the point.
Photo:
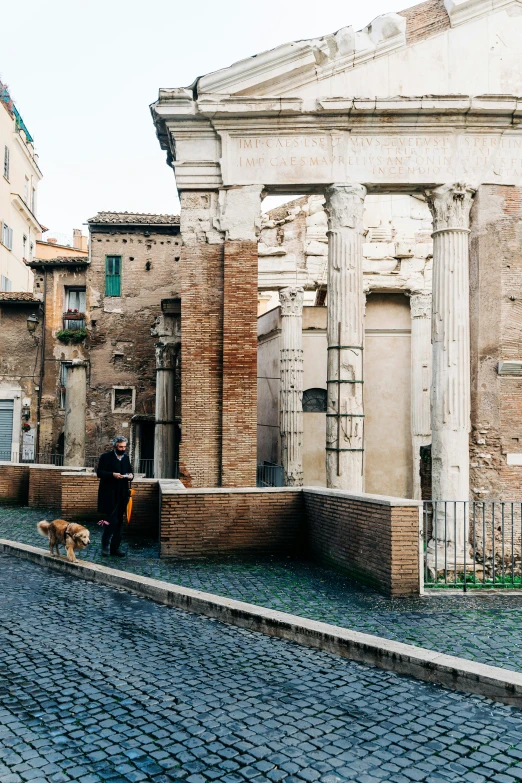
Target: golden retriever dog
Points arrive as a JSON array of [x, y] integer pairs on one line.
[[71, 535]]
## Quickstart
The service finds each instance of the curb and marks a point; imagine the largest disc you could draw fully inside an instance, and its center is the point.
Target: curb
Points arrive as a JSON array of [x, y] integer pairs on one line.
[[456, 673]]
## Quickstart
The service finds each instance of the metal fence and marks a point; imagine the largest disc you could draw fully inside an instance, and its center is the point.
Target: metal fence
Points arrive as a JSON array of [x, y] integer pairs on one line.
[[472, 544], [270, 475]]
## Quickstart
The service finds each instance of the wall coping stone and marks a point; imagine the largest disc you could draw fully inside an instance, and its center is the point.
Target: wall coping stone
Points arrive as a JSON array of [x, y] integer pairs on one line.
[[381, 500], [456, 673], [168, 486], [70, 468]]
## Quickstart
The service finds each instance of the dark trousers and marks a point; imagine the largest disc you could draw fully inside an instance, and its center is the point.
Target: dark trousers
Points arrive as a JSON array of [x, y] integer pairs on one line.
[[112, 532]]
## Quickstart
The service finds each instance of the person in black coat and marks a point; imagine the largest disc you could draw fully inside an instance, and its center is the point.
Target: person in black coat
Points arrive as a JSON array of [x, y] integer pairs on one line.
[[115, 474]]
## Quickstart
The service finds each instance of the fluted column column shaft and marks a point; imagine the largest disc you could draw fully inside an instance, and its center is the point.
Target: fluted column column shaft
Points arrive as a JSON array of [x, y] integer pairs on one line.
[[164, 431], [345, 330], [75, 413], [291, 395], [450, 397], [420, 304]]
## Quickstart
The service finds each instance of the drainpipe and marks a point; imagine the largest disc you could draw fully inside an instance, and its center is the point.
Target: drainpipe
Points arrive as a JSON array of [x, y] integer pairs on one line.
[[42, 366]]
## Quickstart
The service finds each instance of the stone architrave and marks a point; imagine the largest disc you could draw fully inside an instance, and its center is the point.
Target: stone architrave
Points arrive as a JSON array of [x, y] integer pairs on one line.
[[346, 304], [291, 394], [450, 398], [75, 413], [420, 307], [165, 429]]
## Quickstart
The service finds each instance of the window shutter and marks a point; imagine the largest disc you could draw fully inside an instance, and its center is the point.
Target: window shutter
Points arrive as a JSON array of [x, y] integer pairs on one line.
[[113, 276]]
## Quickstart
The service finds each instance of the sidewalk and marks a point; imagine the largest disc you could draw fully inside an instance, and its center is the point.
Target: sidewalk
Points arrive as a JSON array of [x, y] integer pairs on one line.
[[482, 628]]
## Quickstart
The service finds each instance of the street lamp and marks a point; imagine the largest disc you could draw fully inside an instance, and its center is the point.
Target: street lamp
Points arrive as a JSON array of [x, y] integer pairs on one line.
[[32, 323]]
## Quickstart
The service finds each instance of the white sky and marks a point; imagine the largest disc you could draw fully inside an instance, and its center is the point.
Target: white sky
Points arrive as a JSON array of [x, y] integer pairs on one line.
[[83, 75]]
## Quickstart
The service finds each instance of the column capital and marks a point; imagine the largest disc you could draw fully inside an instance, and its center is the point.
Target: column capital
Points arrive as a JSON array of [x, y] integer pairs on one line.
[[420, 304], [239, 212], [344, 206], [165, 356], [291, 300], [450, 206]]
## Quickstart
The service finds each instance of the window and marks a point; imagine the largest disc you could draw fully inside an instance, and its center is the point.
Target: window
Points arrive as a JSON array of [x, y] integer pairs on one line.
[[314, 401], [33, 201], [64, 366], [5, 284], [7, 236], [113, 276], [123, 399], [6, 162], [75, 300], [74, 315], [24, 246], [26, 191], [31, 248]]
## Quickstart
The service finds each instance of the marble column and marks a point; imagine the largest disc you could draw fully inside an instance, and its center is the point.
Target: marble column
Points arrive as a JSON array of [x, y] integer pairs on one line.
[[165, 430], [75, 410], [450, 397], [291, 394], [345, 412], [420, 307]]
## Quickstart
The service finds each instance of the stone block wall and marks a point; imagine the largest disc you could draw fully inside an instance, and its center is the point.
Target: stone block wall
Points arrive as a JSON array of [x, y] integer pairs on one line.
[[373, 539], [14, 483], [201, 523]]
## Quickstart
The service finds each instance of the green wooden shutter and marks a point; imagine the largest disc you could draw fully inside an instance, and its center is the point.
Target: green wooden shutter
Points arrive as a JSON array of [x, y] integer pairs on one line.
[[113, 276]]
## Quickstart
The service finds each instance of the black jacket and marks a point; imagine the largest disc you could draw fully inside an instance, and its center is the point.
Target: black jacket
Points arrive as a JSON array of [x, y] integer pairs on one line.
[[112, 492]]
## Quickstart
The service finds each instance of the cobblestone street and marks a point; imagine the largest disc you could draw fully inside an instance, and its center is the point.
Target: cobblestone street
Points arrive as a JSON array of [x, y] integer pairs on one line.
[[486, 628], [98, 684]]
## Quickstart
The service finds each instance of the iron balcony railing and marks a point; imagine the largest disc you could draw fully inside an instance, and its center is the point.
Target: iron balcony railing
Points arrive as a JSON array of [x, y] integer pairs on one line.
[[74, 321], [472, 544]]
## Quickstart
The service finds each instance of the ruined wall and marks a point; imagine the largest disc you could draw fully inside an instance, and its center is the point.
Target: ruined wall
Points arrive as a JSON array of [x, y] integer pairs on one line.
[[496, 329], [51, 284], [121, 346], [19, 370]]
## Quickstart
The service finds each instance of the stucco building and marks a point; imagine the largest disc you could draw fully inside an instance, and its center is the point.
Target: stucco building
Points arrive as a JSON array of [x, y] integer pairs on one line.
[[19, 225]]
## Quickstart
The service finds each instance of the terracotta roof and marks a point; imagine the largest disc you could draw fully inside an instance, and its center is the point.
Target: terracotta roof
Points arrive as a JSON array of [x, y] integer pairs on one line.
[[134, 218], [60, 261], [18, 296]]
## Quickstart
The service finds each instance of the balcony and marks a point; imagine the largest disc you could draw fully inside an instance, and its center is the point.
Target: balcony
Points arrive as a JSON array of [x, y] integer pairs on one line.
[[73, 321]]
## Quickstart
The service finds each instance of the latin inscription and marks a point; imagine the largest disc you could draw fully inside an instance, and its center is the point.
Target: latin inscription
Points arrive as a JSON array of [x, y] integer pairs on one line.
[[343, 156]]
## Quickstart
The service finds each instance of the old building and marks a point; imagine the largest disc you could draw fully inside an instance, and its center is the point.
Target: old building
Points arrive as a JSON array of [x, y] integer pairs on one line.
[[81, 354], [406, 106], [19, 225]]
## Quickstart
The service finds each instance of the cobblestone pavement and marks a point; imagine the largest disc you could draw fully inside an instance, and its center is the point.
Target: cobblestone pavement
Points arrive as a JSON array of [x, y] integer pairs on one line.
[[99, 685], [481, 628]]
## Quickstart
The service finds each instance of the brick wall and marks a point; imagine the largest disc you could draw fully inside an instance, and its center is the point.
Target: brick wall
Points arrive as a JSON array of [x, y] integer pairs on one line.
[[197, 524], [496, 326], [239, 431], [79, 496], [45, 486], [14, 483], [424, 20], [372, 540], [202, 364], [145, 509]]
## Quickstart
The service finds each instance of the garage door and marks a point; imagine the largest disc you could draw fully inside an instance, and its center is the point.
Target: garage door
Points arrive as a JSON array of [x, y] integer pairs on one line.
[[6, 429]]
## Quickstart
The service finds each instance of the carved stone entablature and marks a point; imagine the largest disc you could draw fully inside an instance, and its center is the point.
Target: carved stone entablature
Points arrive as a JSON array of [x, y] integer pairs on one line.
[[291, 300], [420, 305], [450, 206]]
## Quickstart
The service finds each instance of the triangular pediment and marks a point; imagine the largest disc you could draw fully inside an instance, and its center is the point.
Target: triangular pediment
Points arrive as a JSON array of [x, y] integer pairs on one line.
[[438, 47]]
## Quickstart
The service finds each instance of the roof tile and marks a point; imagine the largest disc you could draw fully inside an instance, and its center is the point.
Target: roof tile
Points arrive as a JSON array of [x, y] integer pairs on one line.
[[134, 218]]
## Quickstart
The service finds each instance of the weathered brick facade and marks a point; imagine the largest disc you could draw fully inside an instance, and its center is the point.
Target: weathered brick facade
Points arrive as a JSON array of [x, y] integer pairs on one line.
[[425, 20], [45, 486], [496, 329], [239, 450], [202, 364]]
